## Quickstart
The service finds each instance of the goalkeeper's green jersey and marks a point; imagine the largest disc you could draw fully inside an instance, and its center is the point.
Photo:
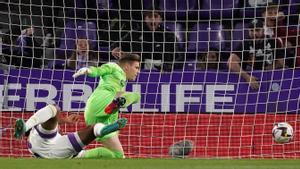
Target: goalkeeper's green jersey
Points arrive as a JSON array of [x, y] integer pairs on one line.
[[112, 77]]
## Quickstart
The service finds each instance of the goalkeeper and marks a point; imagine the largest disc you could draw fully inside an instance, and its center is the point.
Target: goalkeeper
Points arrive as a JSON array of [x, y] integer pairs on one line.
[[104, 103]]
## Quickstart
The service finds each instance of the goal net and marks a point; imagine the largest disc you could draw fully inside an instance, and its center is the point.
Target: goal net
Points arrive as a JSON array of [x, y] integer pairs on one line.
[[219, 73]]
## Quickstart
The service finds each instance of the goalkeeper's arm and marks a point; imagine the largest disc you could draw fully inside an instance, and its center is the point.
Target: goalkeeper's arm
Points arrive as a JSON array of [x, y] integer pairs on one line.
[[94, 71], [82, 71]]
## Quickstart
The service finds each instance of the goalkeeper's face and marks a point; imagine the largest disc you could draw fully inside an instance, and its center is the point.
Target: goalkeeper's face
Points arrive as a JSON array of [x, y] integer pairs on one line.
[[132, 69]]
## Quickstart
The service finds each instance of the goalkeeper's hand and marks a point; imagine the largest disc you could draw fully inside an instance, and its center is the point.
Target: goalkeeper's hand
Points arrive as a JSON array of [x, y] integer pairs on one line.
[[82, 71]]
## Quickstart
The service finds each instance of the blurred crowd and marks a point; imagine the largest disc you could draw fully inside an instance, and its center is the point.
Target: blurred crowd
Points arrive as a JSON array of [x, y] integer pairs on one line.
[[249, 36]]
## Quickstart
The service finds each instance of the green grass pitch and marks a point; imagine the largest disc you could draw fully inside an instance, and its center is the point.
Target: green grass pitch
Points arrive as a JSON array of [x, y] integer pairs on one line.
[[31, 163]]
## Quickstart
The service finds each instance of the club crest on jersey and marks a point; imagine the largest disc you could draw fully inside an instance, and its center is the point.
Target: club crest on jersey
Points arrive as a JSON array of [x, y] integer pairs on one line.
[[122, 83]]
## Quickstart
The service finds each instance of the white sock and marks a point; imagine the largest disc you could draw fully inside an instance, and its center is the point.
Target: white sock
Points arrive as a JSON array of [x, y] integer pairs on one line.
[[41, 116], [97, 129]]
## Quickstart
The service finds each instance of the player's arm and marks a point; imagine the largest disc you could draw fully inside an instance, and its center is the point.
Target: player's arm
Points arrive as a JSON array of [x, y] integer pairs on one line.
[[94, 71], [100, 71]]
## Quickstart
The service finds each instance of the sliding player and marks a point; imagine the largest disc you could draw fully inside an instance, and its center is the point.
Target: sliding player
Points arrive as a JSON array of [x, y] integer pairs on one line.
[[104, 103], [44, 140]]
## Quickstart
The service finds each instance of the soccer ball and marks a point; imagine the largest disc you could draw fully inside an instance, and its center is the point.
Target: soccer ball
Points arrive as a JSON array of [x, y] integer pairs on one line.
[[282, 132], [181, 149]]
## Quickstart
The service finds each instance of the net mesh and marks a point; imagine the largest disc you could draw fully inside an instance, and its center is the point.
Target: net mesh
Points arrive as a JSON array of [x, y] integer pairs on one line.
[[189, 88]]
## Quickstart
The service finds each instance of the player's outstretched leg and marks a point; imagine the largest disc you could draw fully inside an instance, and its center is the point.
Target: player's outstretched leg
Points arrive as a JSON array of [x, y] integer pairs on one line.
[[40, 117], [119, 124], [89, 134], [20, 128]]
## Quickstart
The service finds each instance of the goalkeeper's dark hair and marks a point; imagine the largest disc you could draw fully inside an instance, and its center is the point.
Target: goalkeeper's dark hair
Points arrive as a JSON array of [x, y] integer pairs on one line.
[[129, 57]]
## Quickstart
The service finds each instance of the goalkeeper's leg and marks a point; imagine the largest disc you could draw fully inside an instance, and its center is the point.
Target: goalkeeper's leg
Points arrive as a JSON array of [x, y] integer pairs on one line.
[[131, 98], [112, 149], [123, 100], [113, 143], [99, 152], [99, 130]]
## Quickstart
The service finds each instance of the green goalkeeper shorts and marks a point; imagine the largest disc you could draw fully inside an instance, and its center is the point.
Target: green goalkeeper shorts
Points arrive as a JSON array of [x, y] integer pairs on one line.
[[94, 110]]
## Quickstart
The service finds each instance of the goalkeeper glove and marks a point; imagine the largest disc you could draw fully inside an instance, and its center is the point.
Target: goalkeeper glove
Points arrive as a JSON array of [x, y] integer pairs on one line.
[[82, 71]]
